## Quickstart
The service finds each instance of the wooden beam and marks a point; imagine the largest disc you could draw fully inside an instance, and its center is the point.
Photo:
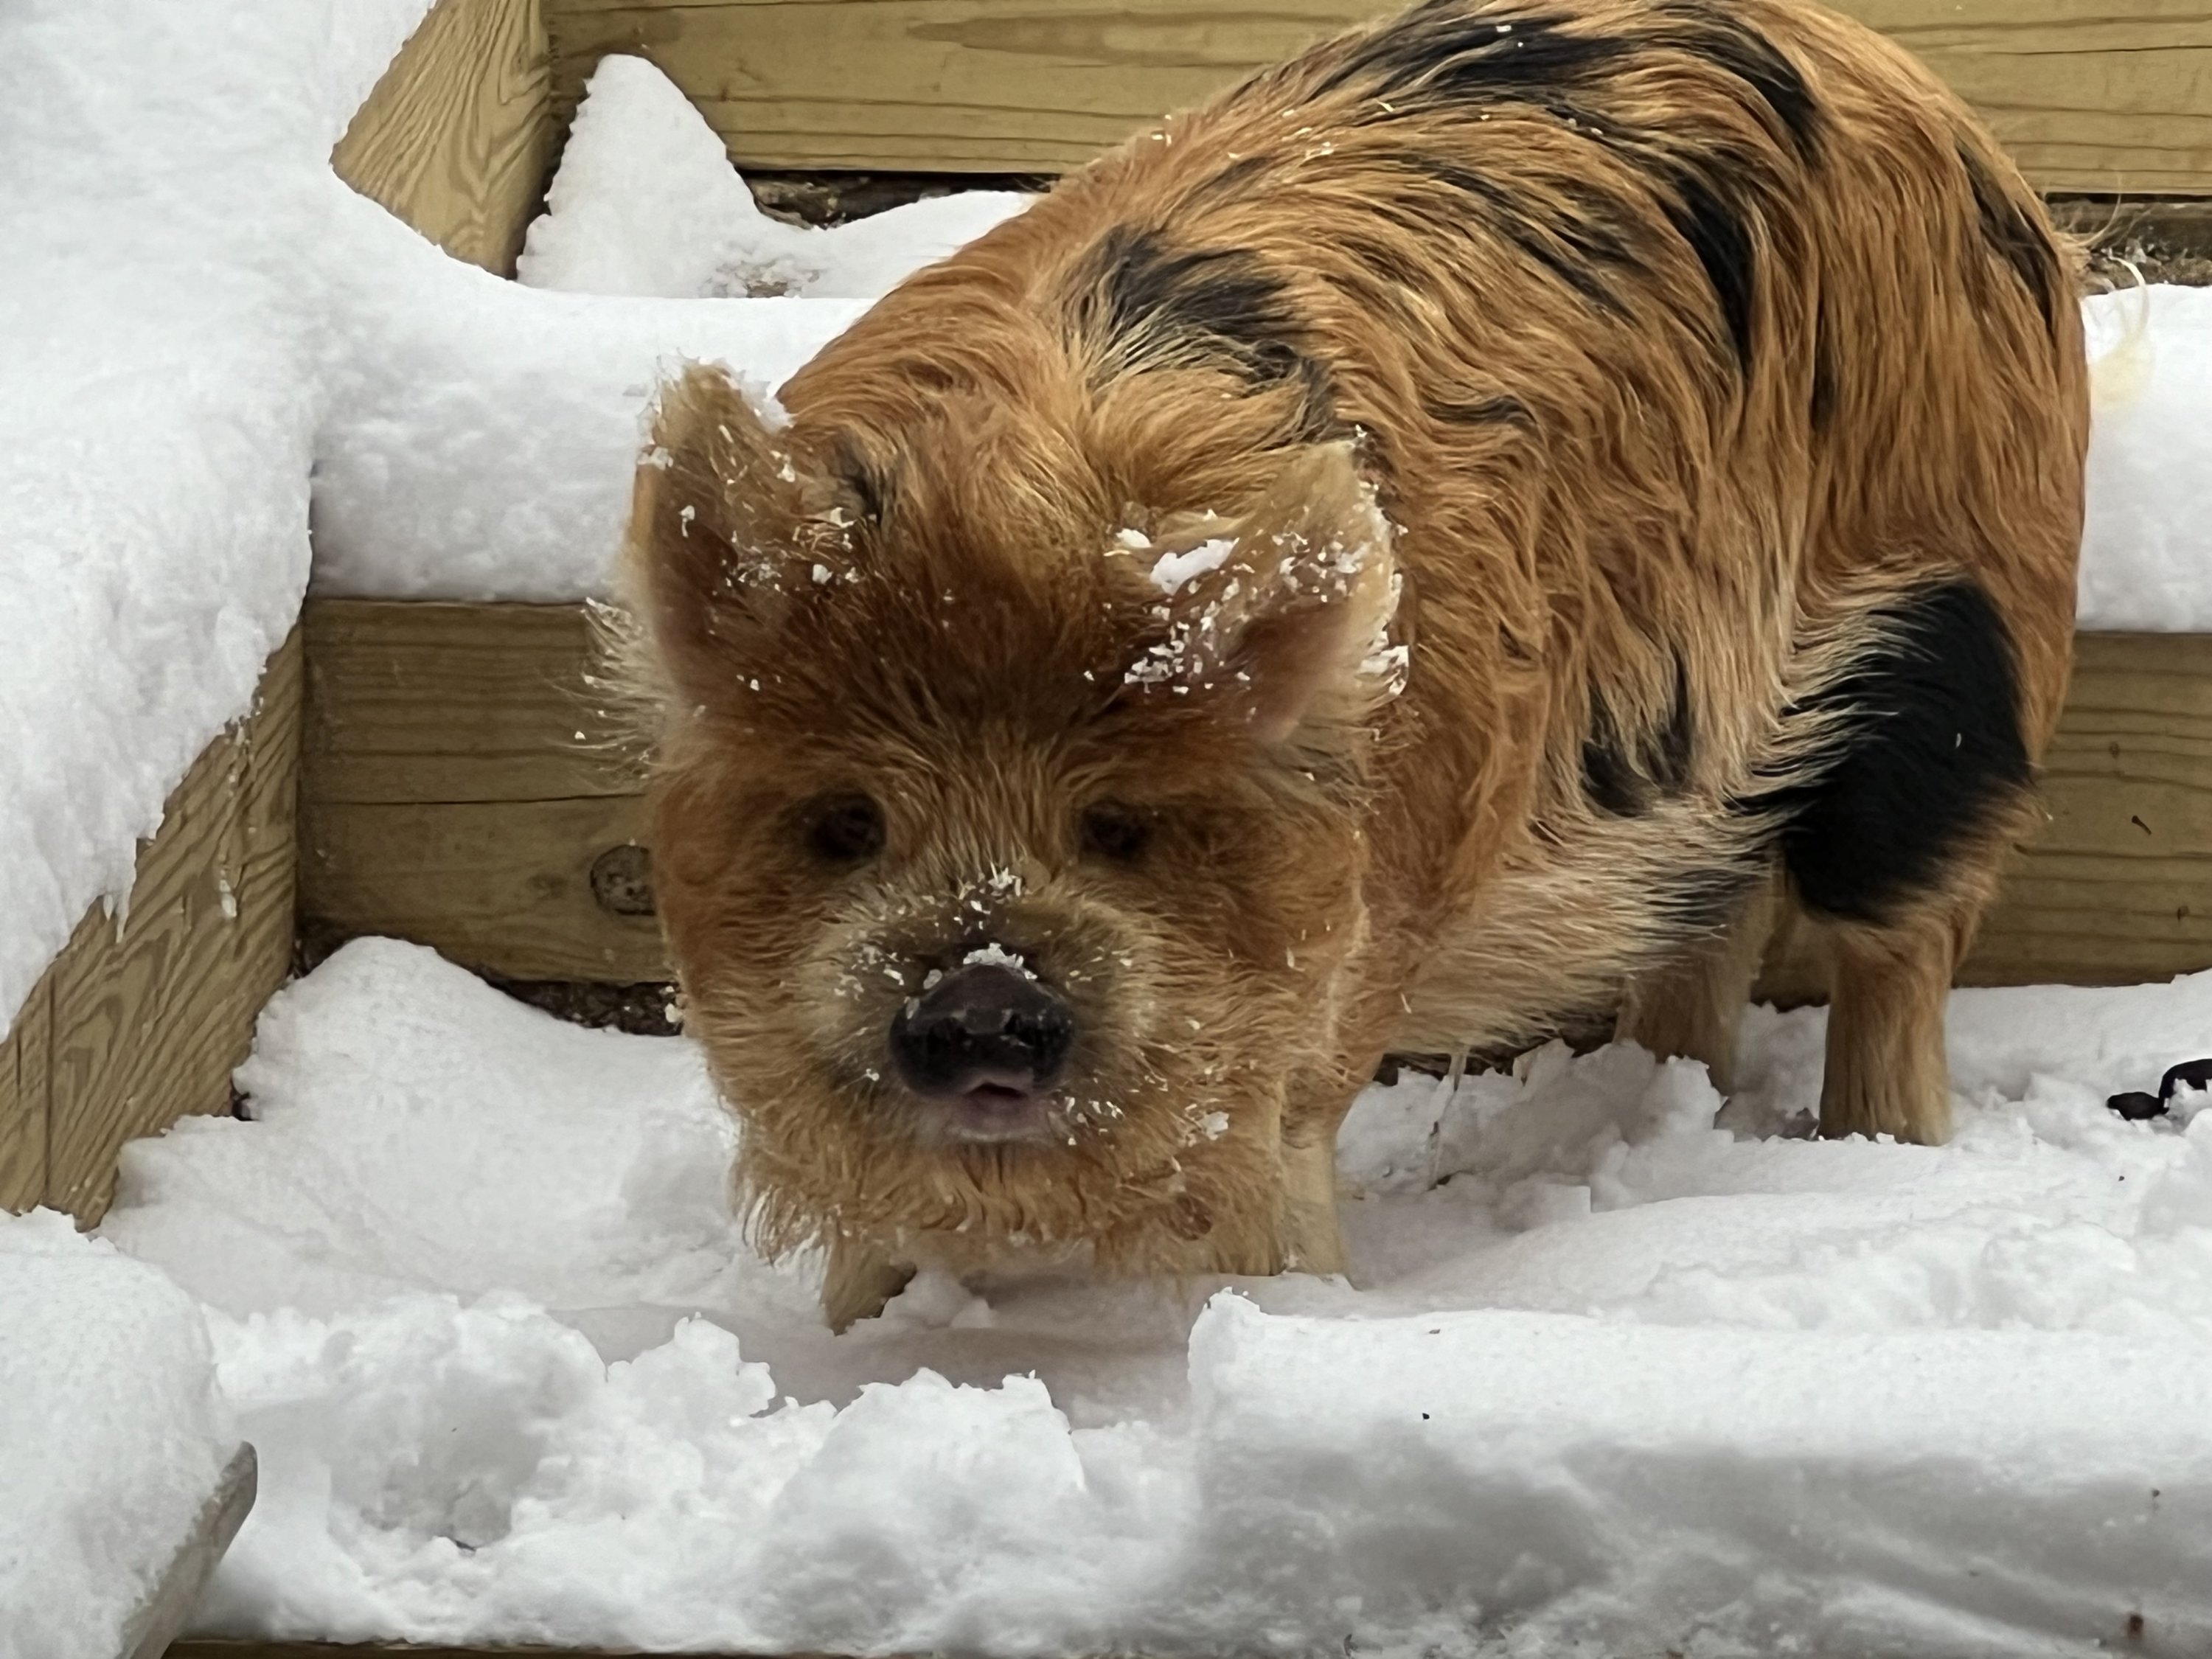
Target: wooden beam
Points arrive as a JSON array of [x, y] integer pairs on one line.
[[151, 1631], [460, 790], [148, 1012], [457, 138], [2088, 96], [26, 1082]]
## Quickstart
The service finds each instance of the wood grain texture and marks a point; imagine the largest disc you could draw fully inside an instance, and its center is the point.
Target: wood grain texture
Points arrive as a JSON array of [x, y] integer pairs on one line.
[[459, 786], [420, 701], [457, 138], [2086, 95], [25, 1074], [152, 1008], [448, 798], [502, 886]]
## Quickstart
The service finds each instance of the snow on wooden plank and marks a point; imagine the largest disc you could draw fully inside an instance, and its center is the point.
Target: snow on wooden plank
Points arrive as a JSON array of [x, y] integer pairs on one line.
[[457, 138], [2088, 96], [169, 1609], [142, 1018], [26, 1069]]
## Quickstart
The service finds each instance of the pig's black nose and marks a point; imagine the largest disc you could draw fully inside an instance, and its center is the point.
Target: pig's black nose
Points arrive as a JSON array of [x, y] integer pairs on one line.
[[981, 1027]]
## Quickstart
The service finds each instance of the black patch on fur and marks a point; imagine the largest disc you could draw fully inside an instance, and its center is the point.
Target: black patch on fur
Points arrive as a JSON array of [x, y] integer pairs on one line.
[[1483, 412], [1141, 292], [1705, 215], [2014, 237], [1738, 47], [1169, 307], [1928, 743], [1621, 777], [1443, 52]]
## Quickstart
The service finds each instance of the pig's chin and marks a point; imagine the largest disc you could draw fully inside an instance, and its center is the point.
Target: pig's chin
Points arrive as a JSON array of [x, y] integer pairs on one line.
[[990, 1114]]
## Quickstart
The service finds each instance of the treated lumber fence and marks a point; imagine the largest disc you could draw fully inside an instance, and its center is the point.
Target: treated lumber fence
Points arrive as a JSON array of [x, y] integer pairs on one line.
[[2088, 97]]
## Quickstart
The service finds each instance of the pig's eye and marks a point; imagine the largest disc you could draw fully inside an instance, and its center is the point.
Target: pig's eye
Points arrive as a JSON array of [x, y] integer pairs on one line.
[[1115, 832], [845, 829]]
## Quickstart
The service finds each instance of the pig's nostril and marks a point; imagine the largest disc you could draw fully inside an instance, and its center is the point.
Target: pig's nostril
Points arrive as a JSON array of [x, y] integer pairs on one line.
[[982, 1027]]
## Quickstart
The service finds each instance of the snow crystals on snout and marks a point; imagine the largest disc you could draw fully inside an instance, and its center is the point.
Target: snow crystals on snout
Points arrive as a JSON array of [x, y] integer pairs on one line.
[[995, 955]]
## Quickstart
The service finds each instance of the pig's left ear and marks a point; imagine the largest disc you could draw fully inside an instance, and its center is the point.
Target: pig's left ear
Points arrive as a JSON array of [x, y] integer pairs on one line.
[[724, 528], [1282, 617]]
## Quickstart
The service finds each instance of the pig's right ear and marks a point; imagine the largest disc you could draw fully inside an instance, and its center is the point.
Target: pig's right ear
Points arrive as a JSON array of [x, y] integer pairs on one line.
[[725, 526]]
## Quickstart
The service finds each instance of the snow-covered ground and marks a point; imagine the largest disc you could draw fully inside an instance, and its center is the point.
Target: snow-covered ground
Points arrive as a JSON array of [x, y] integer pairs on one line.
[[1607, 1371], [112, 1435]]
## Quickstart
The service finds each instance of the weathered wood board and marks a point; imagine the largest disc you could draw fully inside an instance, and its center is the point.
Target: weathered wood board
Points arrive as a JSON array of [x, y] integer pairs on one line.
[[142, 1018], [460, 788], [2088, 97], [446, 798], [25, 1084], [457, 138]]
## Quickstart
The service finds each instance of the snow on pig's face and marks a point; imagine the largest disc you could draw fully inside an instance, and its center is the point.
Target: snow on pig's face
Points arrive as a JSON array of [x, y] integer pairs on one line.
[[1006, 854]]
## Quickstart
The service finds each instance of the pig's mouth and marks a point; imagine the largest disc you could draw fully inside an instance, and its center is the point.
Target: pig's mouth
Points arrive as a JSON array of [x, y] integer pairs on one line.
[[992, 1110]]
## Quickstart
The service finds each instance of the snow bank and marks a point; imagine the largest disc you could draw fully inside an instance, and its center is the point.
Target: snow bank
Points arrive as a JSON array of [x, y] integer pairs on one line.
[[2147, 555], [157, 312], [1690, 1379], [110, 1436], [483, 436], [646, 203]]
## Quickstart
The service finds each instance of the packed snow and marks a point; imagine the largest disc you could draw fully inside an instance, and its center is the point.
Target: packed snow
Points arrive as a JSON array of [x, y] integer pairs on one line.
[[1615, 1365], [168, 184], [112, 1435], [483, 435]]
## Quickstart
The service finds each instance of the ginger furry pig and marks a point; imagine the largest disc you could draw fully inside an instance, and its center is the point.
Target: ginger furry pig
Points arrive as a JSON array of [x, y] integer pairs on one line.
[[1445, 540]]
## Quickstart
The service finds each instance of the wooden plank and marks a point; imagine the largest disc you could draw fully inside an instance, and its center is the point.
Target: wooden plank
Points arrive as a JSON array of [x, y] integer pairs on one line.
[[26, 1068], [503, 886], [152, 1628], [152, 1009], [2089, 97], [410, 701], [462, 789], [457, 138], [449, 798]]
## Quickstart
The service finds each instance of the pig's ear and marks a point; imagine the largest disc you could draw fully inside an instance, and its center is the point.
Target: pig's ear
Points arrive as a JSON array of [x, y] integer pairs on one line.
[[1282, 617], [725, 527]]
